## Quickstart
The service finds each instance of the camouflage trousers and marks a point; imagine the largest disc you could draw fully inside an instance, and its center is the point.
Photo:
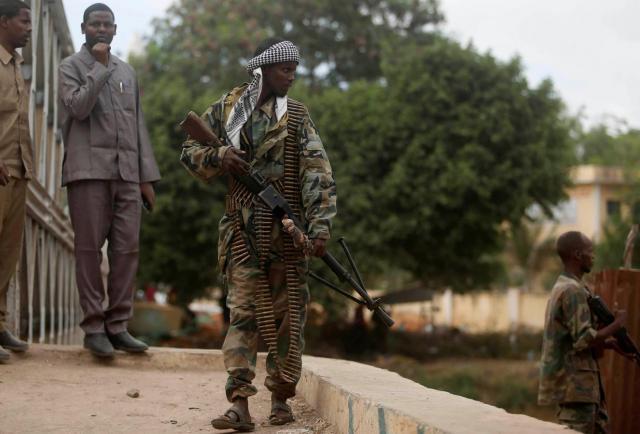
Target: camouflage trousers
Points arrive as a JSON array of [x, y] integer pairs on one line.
[[241, 343], [585, 417]]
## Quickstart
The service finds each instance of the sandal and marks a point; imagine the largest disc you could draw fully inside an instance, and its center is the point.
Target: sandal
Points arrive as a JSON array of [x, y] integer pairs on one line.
[[231, 420], [275, 419]]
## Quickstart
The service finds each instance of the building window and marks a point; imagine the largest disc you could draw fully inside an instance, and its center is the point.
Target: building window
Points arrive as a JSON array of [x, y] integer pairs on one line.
[[613, 208], [636, 212], [566, 212]]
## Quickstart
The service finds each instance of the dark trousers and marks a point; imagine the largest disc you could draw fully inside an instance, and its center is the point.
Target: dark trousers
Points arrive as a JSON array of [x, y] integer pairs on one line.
[[105, 211]]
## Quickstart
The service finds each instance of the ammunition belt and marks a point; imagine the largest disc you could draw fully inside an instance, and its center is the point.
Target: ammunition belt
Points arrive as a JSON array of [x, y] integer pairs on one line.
[[240, 197], [292, 368]]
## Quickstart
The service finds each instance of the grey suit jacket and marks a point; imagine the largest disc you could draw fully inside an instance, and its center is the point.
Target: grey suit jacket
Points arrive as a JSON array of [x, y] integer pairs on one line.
[[103, 128]]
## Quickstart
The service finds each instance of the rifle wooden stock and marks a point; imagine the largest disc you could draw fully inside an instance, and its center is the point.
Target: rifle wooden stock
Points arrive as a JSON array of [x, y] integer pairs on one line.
[[198, 130]]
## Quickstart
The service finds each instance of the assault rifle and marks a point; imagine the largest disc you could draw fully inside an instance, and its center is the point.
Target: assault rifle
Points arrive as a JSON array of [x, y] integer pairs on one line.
[[606, 317], [198, 130]]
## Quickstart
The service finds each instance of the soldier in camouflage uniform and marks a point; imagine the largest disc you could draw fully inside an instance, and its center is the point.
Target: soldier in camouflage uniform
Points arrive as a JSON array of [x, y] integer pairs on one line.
[[256, 139], [569, 373]]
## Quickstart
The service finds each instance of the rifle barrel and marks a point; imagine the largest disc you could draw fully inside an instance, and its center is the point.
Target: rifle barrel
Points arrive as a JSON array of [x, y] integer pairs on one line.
[[343, 275]]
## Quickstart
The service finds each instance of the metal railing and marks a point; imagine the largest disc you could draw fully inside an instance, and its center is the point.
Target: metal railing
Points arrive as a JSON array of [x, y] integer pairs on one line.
[[43, 301]]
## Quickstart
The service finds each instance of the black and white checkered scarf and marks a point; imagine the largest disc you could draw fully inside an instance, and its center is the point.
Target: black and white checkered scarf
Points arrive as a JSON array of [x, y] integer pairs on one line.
[[283, 51]]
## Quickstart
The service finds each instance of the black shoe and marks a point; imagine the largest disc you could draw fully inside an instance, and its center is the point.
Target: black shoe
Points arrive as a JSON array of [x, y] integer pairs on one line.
[[99, 345], [125, 342], [10, 342], [4, 355]]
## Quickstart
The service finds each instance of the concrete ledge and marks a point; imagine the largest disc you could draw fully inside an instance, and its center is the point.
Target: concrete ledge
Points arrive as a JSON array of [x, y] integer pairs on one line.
[[354, 398], [357, 398], [155, 358]]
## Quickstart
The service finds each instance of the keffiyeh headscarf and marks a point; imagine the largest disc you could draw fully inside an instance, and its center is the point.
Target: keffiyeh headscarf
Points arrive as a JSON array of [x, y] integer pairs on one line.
[[283, 51]]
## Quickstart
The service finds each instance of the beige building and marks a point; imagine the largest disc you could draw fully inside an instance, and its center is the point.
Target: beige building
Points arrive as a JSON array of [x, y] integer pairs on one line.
[[597, 195]]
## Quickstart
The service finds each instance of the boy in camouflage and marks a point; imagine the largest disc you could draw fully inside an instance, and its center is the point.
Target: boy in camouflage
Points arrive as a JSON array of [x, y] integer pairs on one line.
[[252, 123], [569, 373]]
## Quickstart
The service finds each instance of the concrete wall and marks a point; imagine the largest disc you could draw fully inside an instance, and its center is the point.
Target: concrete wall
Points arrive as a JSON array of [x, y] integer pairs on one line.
[[357, 398], [478, 312]]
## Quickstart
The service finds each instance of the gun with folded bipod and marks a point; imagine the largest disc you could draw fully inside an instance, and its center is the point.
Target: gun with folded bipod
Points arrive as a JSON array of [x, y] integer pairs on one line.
[[606, 317], [197, 129]]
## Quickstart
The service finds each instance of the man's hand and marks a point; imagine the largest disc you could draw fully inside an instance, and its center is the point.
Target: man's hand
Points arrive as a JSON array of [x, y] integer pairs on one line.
[[607, 331], [148, 195], [101, 52], [233, 163], [319, 247], [4, 174], [621, 318], [612, 344]]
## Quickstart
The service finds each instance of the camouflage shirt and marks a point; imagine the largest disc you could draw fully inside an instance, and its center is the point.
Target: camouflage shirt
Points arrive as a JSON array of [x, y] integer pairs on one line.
[[263, 139], [568, 369]]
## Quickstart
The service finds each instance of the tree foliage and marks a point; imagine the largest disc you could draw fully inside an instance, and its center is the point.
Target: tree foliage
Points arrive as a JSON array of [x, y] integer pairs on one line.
[[209, 42], [609, 145], [434, 160], [434, 145]]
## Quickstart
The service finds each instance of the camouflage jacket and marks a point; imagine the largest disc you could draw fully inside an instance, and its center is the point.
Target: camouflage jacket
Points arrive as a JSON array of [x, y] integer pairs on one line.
[[568, 370], [263, 139]]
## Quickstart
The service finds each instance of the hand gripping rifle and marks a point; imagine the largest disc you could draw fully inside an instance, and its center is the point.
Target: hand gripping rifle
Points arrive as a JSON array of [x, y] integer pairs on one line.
[[198, 130], [606, 317]]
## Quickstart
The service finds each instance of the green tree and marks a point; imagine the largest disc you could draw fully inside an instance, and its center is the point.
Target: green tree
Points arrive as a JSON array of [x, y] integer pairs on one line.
[[608, 145], [178, 239], [209, 42], [433, 160]]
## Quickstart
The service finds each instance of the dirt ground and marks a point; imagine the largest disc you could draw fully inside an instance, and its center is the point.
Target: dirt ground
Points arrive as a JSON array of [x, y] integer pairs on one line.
[[39, 395]]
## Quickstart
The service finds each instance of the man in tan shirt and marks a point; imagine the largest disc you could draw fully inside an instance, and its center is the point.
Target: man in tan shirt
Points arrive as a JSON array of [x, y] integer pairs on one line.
[[15, 153]]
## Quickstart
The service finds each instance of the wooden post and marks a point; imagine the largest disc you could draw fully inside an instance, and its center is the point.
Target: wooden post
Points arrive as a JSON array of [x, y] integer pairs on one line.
[[620, 289], [627, 258]]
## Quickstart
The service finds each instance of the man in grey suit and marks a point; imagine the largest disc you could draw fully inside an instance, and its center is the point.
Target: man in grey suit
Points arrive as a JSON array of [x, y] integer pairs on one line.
[[108, 170]]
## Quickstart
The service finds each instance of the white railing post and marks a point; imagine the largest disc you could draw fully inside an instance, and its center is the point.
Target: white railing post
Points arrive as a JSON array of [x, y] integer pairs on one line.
[[30, 245], [53, 288]]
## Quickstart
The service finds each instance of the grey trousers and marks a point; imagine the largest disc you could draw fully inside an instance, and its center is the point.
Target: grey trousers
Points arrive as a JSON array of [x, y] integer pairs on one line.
[[105, 210], [12, 216]]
